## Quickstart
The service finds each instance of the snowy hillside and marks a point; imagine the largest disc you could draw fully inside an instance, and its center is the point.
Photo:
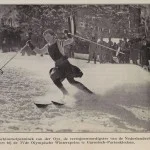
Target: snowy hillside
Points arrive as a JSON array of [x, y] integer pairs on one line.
[[121, 103]]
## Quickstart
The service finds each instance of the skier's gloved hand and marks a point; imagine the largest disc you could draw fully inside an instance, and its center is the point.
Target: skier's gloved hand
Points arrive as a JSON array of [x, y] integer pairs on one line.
[[30, 44], [67, 33]]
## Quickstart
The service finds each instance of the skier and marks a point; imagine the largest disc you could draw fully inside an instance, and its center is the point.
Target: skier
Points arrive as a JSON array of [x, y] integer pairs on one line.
[[63, 69]]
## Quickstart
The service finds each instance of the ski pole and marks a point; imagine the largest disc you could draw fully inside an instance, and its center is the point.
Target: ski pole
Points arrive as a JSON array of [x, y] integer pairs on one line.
[[1, 71], [96, 43]]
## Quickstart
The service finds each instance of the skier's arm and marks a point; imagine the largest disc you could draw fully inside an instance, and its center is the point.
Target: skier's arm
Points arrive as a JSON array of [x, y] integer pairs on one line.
[[42, 50], [38, 50], [69, 39], [65, 42]]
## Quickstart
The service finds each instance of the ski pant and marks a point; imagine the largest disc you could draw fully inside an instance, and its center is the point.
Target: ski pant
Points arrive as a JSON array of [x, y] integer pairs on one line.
[[68, 71]]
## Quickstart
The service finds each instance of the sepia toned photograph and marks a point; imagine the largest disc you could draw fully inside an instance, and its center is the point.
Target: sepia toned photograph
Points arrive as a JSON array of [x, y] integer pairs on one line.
[[81, 68]]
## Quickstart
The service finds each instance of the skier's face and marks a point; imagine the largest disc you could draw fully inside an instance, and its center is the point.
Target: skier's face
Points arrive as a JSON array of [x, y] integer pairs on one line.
[[49, 38]]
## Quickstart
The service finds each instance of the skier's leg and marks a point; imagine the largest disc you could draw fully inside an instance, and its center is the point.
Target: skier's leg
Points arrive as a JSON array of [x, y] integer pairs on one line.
[[78, 85], [54, 75], [58, 83]]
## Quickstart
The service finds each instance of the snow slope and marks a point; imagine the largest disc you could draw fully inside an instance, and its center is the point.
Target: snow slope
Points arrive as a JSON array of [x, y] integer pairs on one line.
[[121, 103]]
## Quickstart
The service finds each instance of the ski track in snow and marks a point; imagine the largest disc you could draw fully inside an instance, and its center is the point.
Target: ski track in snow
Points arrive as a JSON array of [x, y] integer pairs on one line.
[[121, 103]]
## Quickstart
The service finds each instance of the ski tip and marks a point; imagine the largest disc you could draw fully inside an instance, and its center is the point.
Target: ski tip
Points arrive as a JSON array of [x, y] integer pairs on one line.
[[41, 105], [57, 103]]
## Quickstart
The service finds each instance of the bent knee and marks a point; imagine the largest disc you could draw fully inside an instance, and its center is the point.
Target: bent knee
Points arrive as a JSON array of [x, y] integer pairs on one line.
[[72, 81], [54, 74]]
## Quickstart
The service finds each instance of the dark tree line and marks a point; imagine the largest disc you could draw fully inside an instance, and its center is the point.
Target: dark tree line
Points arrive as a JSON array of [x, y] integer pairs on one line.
[[104, 20]]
